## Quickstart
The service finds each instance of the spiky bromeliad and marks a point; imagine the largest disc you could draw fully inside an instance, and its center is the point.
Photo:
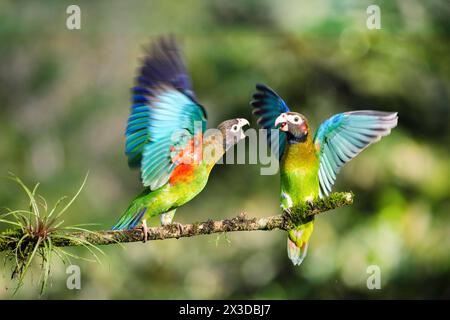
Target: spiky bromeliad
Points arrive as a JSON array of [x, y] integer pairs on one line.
[[309, 165], [166, 138]]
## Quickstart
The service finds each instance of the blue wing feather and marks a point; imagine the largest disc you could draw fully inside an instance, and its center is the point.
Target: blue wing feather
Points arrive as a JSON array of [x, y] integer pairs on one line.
[[343, 136], [163, 103], [171, 113], [268, 105]]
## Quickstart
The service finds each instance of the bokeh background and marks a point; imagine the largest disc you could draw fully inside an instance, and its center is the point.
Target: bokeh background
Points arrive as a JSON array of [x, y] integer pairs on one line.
[[64, 98]]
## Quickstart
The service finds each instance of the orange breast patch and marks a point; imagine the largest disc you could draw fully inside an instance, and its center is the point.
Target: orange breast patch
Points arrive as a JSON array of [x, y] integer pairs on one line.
[[182, 173]]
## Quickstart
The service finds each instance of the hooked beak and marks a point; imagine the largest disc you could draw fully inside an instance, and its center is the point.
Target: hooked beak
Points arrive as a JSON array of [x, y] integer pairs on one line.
[[282, 121], [243, 122]]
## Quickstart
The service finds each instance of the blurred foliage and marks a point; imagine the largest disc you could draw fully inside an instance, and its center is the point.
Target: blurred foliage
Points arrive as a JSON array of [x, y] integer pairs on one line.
[[64, 98]]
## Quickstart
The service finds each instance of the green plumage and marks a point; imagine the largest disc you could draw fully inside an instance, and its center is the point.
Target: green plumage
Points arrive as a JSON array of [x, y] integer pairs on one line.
[[164, 137], [187, 179], [167, 198], [299, 183], [309, 167]]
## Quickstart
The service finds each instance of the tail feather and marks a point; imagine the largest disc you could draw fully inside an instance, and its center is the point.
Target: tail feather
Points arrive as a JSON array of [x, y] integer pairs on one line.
[[130, 219], [298, 241], [295, 253]]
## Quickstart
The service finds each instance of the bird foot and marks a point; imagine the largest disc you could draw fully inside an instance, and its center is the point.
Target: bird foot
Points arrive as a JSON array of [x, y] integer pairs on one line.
[[179, 226], [288, 212], [310, 204], [144, 231]]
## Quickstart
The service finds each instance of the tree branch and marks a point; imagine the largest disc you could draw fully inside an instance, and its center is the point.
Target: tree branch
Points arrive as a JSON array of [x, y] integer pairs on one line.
[[9, 239]]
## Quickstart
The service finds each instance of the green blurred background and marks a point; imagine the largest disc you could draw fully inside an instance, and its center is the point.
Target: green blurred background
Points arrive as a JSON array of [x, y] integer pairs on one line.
[[64, 98]]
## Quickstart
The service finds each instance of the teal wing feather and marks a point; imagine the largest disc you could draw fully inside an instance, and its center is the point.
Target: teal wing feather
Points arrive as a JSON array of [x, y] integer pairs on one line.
[[172, 118], [268, 105], [343, 136], [163, 104]]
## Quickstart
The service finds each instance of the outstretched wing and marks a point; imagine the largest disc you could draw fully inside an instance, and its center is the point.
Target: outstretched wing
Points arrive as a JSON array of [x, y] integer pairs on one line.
[[267, 106], [164, 106], [343, 136]]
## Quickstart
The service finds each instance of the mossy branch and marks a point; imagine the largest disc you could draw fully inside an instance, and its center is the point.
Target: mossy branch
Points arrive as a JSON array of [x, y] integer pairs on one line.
[[9, 239], [39, 232]]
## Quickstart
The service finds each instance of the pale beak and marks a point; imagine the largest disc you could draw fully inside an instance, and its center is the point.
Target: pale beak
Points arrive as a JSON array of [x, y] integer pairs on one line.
[[242, 122], [281, 120]]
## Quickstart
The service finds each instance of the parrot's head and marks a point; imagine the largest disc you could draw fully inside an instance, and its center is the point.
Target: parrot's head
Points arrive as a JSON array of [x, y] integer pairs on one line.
[[294, 124], [232, 131]]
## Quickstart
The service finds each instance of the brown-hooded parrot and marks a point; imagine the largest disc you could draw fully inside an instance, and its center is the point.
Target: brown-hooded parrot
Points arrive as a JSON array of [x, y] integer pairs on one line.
[[166, 138], [309, 165]]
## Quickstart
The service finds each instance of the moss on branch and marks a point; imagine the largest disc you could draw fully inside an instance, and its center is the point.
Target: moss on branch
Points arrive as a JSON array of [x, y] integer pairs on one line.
[[39, 231], [9, 239]]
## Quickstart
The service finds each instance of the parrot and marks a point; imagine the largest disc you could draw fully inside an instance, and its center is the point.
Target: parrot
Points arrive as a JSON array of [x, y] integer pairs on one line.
[[309, 164], [166, 138]]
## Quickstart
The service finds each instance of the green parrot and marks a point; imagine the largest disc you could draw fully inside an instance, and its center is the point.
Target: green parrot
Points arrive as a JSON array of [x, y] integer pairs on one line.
[[166, 138], [309, 165]]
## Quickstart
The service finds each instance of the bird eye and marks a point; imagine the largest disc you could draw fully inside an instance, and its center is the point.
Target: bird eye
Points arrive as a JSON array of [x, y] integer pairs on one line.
[[234, 128], [296, 119]]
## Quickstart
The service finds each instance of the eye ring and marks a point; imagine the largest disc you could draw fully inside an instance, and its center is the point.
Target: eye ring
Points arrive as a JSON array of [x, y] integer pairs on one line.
[[296, 119], [235, 128]]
